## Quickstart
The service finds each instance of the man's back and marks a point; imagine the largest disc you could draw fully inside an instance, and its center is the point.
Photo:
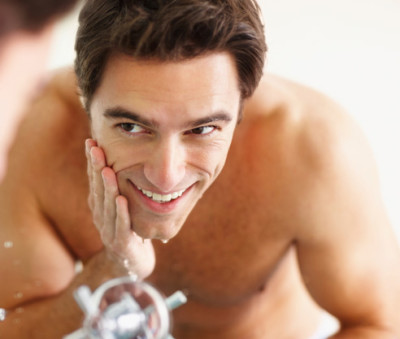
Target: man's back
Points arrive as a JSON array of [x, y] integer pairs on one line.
[[236, 257]]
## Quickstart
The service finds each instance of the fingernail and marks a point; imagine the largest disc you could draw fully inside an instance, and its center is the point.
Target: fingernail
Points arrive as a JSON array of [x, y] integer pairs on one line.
[[103, 176], [92, 158], [87, 145]]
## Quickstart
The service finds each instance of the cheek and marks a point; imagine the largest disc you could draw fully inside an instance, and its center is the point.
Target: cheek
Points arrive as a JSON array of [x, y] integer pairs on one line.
[[121, 156], [111, 145], [211, 158], [219, 158]]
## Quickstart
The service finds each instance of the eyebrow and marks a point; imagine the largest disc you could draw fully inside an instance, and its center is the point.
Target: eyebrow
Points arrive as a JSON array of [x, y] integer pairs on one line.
[[119, 112], [217, 116]]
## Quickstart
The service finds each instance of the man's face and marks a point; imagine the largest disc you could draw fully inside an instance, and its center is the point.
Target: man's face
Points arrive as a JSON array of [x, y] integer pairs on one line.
[[166, 129]]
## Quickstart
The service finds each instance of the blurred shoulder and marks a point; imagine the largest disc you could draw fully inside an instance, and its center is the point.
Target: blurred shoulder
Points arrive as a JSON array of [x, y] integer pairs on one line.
[[50, 138], [55, 118], [59, 98]]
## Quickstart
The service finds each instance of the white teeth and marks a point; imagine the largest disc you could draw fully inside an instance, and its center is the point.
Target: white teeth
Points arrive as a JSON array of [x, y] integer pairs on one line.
[[161, 197], [157, 197]]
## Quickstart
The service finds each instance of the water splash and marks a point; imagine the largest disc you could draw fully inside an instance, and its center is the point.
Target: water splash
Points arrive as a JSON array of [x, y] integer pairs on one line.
[[130, 273], [8, 244], [126, 263], [3, 314], [18, 295], [78, 266], [133, 276]]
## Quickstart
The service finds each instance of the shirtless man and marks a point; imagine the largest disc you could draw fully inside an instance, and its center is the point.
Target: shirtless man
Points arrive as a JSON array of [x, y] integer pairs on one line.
[[292, 224], [25, 36]]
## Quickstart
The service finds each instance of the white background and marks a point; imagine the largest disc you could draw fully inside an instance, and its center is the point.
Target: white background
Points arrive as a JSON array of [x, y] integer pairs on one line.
[[348, 49]]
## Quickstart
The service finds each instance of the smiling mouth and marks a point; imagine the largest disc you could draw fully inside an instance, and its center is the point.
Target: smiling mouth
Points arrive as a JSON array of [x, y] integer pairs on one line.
[[161, 198]]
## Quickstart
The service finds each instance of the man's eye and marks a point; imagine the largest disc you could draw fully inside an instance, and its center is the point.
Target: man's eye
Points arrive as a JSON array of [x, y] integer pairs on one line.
[[202, 130], [131, 128]]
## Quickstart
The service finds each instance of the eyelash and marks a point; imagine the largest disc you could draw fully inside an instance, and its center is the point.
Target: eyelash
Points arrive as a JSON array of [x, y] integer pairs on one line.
[[201, 127], [126, 126], [132, 125]]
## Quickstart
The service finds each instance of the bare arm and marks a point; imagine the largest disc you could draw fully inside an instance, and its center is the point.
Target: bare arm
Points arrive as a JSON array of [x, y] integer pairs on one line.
[[39, 268], [58, 315], [347, 252]]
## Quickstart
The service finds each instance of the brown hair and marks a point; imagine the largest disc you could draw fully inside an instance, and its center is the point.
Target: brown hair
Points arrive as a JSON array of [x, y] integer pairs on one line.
[[169, 30], [30, 15]]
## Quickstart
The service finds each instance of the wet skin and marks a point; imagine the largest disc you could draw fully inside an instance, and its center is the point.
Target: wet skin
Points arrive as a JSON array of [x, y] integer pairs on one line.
[[293, 220], [165, 138]]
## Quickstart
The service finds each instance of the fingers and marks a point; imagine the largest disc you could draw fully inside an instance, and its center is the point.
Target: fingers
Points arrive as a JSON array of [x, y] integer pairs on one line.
[[96, 162], [97, 186], [109, 206], [123, 221], [89, 143], [111, 218]]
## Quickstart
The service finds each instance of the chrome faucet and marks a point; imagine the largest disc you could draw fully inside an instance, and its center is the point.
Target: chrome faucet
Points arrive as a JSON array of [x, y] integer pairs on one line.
[[124, 308]]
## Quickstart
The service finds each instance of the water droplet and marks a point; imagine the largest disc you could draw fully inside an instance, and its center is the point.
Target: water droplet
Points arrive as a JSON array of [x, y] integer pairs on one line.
[[132, 275], [19, 310], [2, 314], [78, 266], [18, 295], [126, 263], [165, 241], [8, 244]]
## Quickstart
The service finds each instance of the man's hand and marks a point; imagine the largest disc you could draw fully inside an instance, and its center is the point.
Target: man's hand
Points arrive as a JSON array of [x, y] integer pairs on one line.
[[111, 216]]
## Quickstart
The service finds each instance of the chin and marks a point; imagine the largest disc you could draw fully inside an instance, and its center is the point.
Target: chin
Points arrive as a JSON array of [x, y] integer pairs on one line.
[[160, 231]]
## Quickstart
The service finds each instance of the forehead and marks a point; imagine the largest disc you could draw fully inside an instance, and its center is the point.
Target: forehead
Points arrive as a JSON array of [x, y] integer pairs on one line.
[[208, 82]]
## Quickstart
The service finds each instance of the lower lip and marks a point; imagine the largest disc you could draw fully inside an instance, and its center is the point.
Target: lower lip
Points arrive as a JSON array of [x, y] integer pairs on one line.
[[157, 207]]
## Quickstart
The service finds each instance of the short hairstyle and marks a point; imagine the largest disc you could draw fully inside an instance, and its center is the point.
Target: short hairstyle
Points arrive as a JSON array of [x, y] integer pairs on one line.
[[168, 30], [30, 15]]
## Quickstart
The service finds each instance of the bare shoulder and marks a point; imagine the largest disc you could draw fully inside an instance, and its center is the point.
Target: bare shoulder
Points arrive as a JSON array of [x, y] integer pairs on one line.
[[51, 138], [37, 195], [313, 131], [312, 149], [57, 111], [54, 115], [346, 248], [301, 110], [48, 138]]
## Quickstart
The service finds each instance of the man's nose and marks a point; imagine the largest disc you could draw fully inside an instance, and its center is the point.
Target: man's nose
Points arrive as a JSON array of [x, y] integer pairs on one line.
[[165, 167]]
